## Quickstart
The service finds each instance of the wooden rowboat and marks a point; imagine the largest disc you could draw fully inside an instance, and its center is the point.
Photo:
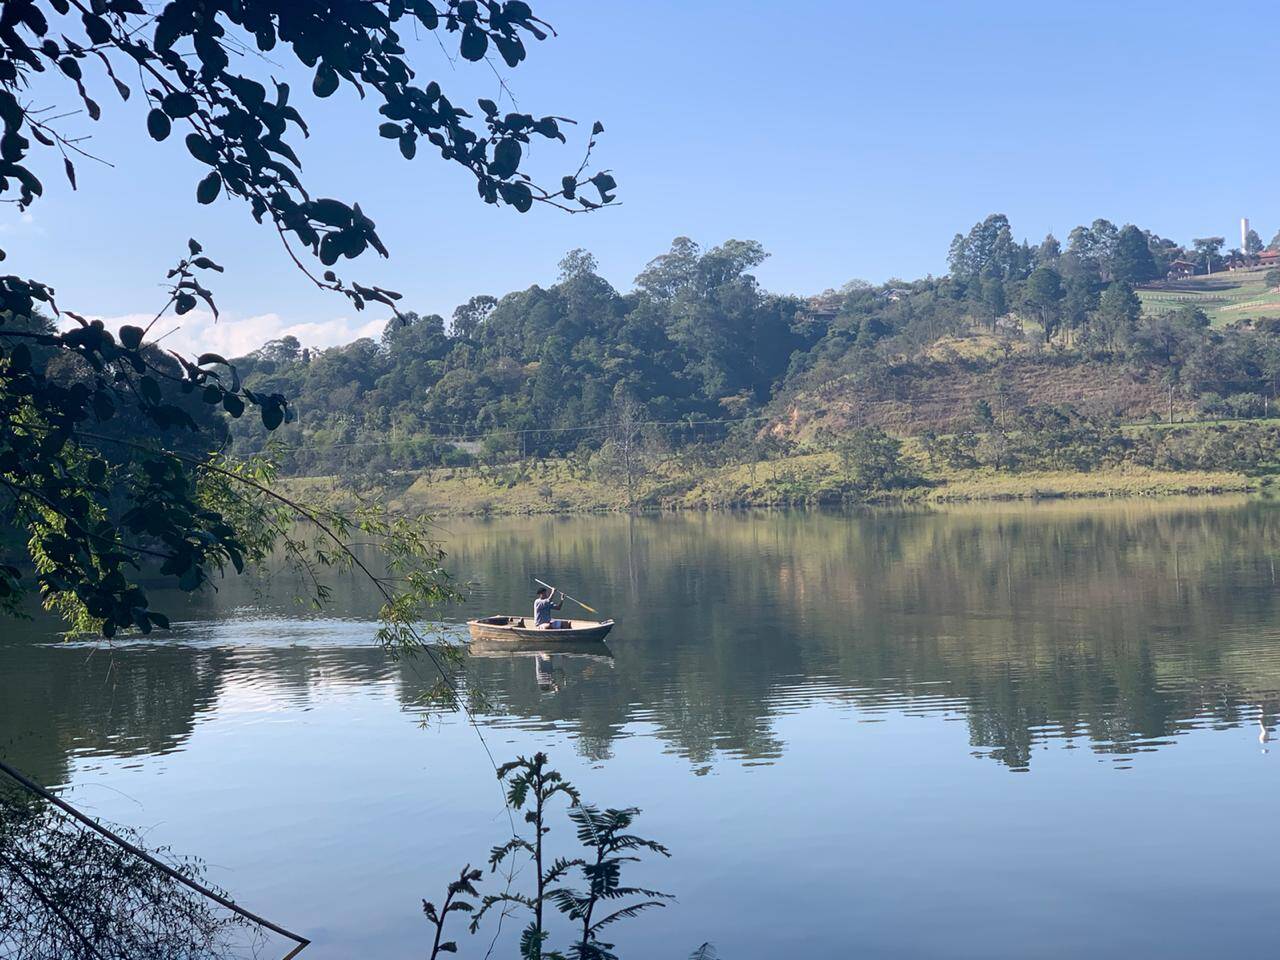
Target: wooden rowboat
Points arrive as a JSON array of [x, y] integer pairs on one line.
[[521, 628]]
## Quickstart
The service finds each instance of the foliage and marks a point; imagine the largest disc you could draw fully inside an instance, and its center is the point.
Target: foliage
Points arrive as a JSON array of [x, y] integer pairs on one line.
[[453, 903], [67, 892], [608, 847], [628, 453], [871, 460], [696, 359], [541, 370], [105, 505], [603, 834], [531, 781], [1133, 261]]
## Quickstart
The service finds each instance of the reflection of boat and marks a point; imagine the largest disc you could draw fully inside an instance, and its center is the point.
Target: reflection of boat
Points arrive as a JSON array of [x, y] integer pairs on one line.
[[510, 629], [483, 647]]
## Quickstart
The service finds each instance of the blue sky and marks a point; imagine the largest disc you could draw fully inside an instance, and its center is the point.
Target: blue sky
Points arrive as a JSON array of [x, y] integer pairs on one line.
[[852, 140]]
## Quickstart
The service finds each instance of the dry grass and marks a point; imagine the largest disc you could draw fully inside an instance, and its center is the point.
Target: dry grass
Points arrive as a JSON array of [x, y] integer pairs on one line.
[[988, 484], [807, 479]]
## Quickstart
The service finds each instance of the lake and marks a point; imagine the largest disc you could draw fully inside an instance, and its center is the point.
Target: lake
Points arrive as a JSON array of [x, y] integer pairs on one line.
[[1005, 731]]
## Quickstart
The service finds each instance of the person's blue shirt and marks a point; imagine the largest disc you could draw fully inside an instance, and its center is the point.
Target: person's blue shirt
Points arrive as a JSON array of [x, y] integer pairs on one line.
[[542, 608]]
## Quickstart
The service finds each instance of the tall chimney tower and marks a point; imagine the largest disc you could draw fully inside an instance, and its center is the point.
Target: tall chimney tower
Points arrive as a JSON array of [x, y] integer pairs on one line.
[[1244, 232]]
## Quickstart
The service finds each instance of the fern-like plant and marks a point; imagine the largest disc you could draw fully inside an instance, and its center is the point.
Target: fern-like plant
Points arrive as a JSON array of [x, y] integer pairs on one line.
[[608, 846], [533, 783], [604, 834], [452, 904]]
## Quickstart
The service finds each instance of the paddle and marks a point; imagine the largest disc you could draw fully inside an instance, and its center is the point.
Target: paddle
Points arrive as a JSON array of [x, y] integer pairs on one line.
[[567, 597]]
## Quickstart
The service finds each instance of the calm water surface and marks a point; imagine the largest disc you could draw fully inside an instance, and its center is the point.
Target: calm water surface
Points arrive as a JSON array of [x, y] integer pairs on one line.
[[1024, 731]]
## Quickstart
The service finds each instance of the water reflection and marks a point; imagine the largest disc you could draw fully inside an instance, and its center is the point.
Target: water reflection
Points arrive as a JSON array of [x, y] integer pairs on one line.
[[1113, 626]]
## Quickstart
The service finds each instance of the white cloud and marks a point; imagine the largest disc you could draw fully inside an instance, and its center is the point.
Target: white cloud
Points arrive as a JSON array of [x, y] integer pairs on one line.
[[197, 332], [25, 219]]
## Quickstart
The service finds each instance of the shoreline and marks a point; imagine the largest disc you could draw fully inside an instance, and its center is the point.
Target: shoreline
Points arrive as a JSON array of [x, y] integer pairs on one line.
[[552, 489]]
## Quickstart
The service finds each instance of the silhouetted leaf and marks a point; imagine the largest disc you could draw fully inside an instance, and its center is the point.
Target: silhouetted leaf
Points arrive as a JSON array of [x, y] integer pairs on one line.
[[178, 104], [208, 188], [474, 42], [506, 159], [158, 124], [325, 82]]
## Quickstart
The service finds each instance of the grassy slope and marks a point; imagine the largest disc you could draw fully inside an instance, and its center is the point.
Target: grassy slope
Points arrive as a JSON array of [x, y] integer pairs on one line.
[[812, 478], [1225, 297]]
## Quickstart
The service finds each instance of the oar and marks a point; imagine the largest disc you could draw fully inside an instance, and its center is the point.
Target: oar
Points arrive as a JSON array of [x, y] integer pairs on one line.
[[567, 597]]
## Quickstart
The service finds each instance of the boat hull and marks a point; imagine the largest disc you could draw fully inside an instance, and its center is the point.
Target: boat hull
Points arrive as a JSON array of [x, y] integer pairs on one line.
[[513, 629]]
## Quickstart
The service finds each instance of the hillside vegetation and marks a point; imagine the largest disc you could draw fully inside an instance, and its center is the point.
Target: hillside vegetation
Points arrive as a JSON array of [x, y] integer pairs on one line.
[[1027, 361]]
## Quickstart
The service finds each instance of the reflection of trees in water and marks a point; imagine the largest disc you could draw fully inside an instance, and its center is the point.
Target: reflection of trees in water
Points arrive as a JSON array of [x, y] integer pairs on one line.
[[144, 700], [1120, 624], [67, 893], [125, 702], [1116, 625]]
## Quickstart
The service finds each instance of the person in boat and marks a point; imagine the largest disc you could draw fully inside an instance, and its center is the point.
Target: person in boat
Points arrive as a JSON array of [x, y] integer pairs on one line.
[[543, 604]]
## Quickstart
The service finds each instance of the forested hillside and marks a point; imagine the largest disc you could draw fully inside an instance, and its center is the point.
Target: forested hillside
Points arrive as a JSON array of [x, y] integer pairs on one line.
[[698, 354]]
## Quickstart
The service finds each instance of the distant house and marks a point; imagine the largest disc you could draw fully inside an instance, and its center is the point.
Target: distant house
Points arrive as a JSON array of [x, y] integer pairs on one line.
[[1180, 269], [1269, 258], [822, 309]]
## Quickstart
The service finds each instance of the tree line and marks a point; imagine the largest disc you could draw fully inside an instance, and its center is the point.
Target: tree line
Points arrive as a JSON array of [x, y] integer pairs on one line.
[[697, 343]]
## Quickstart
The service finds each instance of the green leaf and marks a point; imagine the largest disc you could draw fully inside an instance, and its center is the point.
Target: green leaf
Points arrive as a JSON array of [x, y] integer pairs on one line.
[[233, 405]]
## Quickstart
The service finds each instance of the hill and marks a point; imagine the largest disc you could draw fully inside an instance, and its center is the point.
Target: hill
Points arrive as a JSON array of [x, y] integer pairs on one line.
[[1022, 359]]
